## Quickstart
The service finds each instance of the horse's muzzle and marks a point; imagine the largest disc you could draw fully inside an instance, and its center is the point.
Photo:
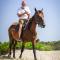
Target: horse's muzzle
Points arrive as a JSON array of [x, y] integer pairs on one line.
[[43, 26]]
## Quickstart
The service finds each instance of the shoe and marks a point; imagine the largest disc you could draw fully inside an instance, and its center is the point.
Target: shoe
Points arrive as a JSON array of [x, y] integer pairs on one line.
[[19, 40]]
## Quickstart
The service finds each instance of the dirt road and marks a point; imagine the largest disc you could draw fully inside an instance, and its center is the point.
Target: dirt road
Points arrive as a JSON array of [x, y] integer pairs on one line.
[[28, 55]]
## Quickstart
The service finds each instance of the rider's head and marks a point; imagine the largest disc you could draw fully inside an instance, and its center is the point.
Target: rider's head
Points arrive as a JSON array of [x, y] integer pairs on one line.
[[23, 3]]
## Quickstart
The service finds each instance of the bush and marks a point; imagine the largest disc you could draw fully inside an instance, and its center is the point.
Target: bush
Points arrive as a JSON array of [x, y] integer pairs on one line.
[[47, 48], [43, 46], [57, 45], [38, 46], [4, 48], [19, 45], [28, 45]]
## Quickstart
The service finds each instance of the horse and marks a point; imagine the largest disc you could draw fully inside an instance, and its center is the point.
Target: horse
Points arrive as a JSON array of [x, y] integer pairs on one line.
[[28, 35]]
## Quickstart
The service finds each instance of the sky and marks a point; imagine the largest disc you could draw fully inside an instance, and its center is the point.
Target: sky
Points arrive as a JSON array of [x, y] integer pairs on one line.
[[51, 9]]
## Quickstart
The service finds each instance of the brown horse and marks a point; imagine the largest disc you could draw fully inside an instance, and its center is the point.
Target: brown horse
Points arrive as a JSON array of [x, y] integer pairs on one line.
[[29, 34]]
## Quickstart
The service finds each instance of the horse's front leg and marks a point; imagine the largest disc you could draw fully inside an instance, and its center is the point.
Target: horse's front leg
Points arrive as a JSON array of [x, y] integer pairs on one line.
[[34, 51], [22, 49], [14, 46]]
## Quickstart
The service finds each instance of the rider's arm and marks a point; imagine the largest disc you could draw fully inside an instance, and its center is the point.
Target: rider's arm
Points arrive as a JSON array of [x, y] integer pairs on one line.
[[27, 14], [20, 14], [27, 11]]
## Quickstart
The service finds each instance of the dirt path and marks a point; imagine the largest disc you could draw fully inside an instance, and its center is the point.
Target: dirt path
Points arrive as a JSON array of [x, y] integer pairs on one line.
[[28, 55]]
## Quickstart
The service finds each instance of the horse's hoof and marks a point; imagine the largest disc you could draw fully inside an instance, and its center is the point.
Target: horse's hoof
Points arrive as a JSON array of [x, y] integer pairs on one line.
[[14, 57], [36, 59], [9, 56], [20, 57]]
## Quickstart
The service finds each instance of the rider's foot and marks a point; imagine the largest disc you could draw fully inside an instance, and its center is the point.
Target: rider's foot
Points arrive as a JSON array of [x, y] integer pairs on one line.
[[19, 40]]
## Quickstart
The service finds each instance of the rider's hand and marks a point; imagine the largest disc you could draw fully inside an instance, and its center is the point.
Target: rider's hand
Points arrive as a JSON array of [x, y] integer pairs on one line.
[[26, 12]]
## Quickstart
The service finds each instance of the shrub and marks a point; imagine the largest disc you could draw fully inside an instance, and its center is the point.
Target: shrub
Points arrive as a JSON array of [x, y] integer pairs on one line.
[[28, 45], [43, 46], [38, 46], [4, 48], [19, 45]]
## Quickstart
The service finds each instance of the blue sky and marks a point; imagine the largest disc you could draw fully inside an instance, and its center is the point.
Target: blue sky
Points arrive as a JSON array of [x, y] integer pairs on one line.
[[8, 11]]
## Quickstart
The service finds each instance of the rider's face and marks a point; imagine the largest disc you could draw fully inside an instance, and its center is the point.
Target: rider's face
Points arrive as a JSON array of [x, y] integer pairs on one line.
[[23, 4]]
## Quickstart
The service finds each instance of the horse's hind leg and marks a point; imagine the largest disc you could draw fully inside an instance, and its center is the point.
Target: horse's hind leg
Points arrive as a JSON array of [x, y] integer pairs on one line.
[[34, 51], [14, 45], [10, 47], [22, 49]]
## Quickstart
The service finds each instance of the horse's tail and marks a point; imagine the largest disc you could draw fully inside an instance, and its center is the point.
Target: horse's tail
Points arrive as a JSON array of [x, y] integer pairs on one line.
[[9, 33]]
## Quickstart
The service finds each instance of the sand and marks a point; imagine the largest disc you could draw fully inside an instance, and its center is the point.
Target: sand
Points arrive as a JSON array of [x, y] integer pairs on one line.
[[28, 55]]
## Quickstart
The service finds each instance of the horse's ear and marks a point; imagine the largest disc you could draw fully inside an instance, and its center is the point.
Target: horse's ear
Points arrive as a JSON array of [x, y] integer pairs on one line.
[[42, 9], [35, 10]]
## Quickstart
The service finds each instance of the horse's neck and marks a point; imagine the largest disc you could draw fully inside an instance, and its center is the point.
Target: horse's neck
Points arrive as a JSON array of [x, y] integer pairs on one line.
[[33, 26]]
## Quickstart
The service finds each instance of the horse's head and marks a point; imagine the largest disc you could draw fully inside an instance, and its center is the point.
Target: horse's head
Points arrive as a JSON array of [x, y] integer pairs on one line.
[[39, 17]]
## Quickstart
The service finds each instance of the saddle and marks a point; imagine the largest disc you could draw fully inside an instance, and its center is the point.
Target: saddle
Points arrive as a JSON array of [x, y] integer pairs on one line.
[[23, 28]]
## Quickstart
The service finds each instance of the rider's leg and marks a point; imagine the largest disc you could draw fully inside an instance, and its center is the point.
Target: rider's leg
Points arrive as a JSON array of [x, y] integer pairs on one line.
[[26, 23], [20, 27]]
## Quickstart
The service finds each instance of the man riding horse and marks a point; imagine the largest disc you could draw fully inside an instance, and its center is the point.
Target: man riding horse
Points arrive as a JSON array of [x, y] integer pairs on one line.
[[30, 31], [24, 15]]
